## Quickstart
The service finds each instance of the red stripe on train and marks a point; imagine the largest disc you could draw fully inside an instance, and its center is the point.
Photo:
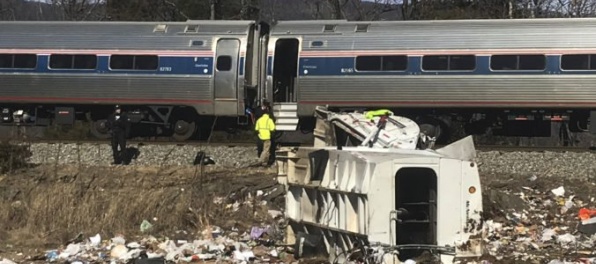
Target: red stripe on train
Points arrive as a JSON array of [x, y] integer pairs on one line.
[[98, 100], [451, 103]]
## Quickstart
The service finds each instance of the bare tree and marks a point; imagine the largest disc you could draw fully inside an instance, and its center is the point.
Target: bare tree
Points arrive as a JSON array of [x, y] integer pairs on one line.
[[79, 9], [7, 10], [373, 10]]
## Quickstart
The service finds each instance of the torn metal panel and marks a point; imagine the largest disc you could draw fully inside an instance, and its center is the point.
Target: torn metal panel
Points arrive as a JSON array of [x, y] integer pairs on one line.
[[406, 201], [374, 130]]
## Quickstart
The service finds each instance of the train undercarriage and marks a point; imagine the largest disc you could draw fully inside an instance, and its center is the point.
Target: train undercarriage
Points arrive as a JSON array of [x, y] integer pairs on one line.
[[183, 123], [179, 123]]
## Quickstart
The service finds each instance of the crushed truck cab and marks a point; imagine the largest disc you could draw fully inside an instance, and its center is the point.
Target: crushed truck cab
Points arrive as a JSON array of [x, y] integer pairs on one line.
[[393, 204]]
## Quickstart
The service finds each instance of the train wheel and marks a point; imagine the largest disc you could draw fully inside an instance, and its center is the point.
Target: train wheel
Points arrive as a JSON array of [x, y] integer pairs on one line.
[[183, 130], [99, 129]]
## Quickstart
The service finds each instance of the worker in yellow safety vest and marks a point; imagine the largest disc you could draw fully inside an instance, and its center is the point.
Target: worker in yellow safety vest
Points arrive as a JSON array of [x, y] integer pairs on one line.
[[265, 128]]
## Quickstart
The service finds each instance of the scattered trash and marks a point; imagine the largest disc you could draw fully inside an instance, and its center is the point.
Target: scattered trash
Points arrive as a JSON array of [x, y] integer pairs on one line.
[[146, 226], [7, 261], [529, 225], [559, 191], [95, 240]]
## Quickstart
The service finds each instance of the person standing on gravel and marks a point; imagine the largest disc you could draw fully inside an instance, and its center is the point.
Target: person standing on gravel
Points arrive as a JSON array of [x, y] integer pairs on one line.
[[265, 128], [118, 123], [265, 107]]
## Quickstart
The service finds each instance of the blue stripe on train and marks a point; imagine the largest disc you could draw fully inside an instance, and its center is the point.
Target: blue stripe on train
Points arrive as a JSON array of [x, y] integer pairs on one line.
[[345, 66], [167, 65]]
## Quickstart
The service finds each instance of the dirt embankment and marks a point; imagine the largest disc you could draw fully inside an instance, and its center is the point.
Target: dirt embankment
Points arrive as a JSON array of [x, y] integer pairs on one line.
[[45, 206]]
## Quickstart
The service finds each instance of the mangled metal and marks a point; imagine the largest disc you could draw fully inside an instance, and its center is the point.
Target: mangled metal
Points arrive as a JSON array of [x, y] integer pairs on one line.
[[382, 129], [402, 202]]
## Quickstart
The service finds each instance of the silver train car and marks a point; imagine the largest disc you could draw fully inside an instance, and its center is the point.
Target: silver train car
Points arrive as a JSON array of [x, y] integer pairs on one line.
[[512, 76]]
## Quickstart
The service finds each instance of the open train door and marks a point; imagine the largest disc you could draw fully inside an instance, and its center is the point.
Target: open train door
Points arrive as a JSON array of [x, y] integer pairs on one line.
[[226, 77], [285, 83]]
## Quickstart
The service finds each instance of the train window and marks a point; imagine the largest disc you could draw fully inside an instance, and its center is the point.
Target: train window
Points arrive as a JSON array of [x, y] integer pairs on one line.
[[6, 60], [503, 62], [394, 63], [25, 61], [382, 63], [449, 63], [532, 62], [88, 62], [19, 61], [122, 62], [517, 62], [130, 62], [61, 61], [435, 63], [368, 63], [462, 63], [329, 28], [577, 62], [146, 62], [224, 63]]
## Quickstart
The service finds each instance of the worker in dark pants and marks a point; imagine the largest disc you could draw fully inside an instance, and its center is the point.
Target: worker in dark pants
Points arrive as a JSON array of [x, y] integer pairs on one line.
[[119, 126], [265, 108]]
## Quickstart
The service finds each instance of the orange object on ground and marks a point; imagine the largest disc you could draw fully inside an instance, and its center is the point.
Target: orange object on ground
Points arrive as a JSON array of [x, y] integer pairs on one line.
[[585, 213]]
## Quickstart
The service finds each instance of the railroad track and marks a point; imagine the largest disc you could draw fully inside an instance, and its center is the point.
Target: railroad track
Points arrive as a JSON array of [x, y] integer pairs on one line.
[[136, 142], [483, 148], [505, 148]]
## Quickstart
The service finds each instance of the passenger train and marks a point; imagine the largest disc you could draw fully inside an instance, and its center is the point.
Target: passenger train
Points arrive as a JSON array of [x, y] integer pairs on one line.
[[512, 76]]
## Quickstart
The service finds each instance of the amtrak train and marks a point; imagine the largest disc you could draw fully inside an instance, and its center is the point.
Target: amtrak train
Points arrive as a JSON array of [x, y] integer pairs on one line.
[[176, 78]]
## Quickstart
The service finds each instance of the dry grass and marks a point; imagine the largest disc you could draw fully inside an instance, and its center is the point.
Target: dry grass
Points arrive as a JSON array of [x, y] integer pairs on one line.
[[12, 157], [52, 204]]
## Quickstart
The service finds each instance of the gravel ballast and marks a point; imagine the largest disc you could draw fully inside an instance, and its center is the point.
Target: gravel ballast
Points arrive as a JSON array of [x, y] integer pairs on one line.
[[543, 164], [150, 155]]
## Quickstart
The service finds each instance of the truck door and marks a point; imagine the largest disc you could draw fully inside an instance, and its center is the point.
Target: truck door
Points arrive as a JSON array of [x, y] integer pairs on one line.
[[226, 77]]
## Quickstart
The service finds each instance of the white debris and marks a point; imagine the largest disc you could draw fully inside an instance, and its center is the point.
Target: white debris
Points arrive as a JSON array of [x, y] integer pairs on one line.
[[95, 240], [7, 261], [244, 255], [275, 213], [133, 245], [71, 250], [119, 240], [118, 252], [558, 191], [548, 234], [566, 239]]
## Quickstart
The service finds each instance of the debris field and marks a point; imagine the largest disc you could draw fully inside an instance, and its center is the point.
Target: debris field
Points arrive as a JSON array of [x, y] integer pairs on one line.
[[74, 211]]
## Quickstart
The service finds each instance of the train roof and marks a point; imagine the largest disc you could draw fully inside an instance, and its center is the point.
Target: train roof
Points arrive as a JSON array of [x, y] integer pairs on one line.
[[117, 35], [488, 34], [346, 27]]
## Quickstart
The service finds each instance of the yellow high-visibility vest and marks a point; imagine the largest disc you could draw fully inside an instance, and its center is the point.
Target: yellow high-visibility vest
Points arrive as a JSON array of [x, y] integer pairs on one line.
[[265, 126], [380, 112]]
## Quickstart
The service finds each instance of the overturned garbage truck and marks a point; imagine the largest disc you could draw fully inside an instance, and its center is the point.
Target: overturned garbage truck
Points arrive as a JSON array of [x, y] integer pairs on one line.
[[382, 198]]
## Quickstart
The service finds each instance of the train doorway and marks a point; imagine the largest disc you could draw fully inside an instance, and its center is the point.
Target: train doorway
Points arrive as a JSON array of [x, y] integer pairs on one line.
[[285, 70]]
